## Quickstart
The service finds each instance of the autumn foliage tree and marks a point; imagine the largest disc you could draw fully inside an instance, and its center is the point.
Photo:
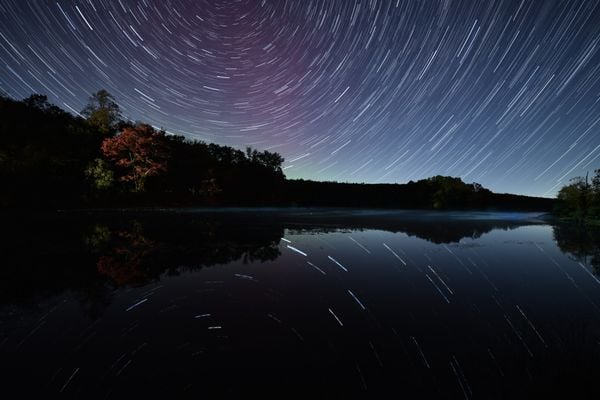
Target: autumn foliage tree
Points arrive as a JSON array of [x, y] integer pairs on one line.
[[137, 153], [129, 260]]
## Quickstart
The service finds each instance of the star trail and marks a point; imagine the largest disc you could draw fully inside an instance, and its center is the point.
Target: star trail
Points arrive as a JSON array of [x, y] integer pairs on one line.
[[504, 93]]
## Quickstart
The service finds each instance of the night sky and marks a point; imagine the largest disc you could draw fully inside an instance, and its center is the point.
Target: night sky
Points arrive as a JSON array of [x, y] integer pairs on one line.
[[504, 93]]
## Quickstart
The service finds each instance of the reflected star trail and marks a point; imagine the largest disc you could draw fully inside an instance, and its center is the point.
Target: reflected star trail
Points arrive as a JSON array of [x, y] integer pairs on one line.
[[504, 93]]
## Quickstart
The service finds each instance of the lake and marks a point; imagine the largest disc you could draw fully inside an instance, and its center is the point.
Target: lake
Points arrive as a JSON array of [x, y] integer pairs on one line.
[[289, 303]]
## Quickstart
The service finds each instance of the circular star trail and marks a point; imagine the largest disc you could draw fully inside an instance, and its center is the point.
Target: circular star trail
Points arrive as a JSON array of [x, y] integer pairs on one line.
[[504, 93]]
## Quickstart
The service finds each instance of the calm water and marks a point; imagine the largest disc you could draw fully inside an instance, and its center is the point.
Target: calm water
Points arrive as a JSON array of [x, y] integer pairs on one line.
[[293, 303]]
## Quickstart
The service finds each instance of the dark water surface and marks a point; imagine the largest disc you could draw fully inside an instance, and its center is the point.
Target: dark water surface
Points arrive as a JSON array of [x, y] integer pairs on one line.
[[325, 303]]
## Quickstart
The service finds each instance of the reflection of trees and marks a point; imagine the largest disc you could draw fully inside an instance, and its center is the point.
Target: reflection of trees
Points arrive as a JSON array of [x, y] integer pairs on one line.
[[87, 255], [141, 252], [94, 297], [129, 259], [452, 231], [446, 231], [581, 242]]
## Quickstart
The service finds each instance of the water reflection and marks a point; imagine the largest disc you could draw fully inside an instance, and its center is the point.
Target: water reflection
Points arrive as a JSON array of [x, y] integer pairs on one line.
[[138, 248], [135, 256], [581, 242], [329, 304], [89, 252]]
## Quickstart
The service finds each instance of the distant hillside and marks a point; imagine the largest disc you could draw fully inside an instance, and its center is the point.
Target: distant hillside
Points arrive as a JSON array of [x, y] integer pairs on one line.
[[438, 192]]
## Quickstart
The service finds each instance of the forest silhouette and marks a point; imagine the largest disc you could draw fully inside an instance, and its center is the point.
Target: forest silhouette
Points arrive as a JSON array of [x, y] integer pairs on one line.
[[50, 158]]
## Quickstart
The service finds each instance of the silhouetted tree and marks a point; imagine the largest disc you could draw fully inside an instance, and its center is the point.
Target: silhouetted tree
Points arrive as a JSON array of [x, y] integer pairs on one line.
[[102, 112], [576, 199], [450, 192], [595, 204], [271, 161], [37, 101]]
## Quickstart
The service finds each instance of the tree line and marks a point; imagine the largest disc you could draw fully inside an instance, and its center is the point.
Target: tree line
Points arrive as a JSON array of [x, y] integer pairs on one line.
[[434, 193], [580, 199], [50, 158]]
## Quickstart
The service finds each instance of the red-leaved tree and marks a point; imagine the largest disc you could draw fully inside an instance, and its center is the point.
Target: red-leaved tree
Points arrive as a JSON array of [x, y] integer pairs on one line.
[[137, 152]]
